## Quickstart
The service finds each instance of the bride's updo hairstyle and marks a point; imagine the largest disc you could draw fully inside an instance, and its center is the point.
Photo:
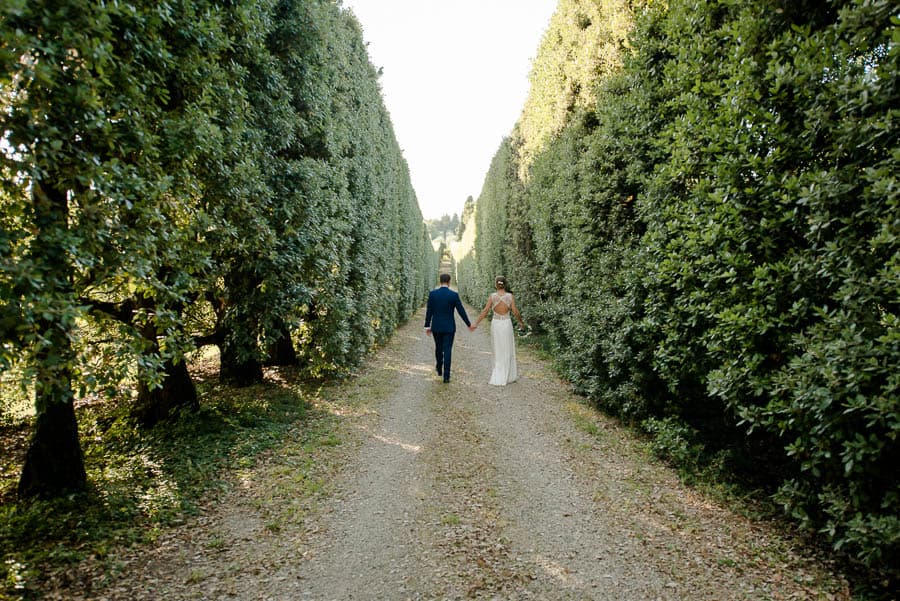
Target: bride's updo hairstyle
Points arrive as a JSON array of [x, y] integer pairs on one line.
[[501, 281]]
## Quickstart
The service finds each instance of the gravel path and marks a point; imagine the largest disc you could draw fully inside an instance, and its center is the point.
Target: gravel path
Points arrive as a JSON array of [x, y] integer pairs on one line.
[[466, 491]]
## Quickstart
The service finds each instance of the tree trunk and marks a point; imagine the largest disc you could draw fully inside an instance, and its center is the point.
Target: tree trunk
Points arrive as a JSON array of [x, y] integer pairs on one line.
[[54, 463], [177, 393], [237, 371], [239, 361], [281, 351], [241, 373]]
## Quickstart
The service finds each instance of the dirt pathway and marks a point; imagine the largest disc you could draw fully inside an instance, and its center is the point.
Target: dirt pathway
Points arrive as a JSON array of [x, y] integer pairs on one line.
[[469, 491]]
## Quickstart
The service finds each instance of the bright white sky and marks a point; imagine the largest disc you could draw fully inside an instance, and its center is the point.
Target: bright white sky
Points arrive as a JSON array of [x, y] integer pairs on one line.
[[455, 80]]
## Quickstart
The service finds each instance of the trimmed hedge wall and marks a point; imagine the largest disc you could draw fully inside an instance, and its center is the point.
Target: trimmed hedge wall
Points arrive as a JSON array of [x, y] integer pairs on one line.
[[712, 244]]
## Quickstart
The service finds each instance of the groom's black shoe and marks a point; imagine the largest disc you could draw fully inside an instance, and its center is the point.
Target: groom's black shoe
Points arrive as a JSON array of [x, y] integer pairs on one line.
[[446, 380], [438, 370]]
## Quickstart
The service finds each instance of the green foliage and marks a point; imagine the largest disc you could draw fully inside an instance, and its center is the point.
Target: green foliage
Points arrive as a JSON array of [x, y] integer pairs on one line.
[[677, 443], [711, 244], [497, 195], [582, 44], [372, 257], [191, 173], [772, 279], [143, 480], [467, 214], [91, 190]]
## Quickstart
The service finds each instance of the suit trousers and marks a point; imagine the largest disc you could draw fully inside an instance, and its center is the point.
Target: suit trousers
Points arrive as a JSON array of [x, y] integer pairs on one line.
[[443, 352]]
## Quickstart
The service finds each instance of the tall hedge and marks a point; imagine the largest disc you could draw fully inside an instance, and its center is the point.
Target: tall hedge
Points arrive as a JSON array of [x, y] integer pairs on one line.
[[191, 173], [713, 242], [775, 254]]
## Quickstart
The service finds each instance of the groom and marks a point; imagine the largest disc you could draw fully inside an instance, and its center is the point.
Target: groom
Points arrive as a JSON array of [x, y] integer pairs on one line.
[[440, 322]]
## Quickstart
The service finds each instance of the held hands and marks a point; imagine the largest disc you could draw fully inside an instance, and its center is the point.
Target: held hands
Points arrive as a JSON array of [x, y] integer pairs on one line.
[[472, 327]]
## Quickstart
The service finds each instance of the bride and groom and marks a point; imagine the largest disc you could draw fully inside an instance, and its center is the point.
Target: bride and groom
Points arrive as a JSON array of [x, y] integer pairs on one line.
[[440, 323]]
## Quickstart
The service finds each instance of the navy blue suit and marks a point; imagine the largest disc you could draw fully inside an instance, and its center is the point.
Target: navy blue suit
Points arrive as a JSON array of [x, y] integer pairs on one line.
[[439, 317]]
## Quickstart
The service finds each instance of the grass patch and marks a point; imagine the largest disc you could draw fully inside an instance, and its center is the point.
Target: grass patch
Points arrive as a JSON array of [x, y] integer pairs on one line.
[[450, 519], [142, 481], [216, 544], [586, 424], [541, 346]]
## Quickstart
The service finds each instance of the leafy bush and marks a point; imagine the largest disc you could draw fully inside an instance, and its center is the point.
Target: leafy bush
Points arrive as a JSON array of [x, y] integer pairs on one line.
[[711, 246], [772, 267], [675, 442], [187, 174]]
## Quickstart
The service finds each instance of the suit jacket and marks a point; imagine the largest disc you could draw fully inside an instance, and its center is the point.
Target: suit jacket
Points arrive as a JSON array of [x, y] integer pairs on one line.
[[439, 313]]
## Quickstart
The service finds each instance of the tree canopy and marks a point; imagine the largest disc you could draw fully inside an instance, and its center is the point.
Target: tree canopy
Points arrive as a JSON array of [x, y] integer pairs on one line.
[[191, 173]]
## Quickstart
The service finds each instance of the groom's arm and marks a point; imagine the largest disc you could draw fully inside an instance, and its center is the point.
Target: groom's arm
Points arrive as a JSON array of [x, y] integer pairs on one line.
[[429, 312], [462, 311]]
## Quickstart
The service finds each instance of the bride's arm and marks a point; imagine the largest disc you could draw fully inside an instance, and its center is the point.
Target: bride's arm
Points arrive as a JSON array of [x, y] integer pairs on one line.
[[484, 312]]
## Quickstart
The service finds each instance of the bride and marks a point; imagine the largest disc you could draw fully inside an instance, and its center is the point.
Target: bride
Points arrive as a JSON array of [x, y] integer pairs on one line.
[[502, 303]]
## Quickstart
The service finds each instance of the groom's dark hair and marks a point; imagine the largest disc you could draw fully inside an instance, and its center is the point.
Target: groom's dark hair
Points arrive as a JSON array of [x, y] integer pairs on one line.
[[445, 278]]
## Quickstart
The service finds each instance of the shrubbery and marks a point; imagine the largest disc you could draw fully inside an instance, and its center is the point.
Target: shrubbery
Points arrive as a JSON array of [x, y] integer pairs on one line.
[[191, 173], [713, 243]]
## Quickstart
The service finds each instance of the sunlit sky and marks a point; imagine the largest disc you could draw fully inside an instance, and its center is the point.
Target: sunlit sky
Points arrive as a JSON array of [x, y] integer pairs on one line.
[[455, 80]]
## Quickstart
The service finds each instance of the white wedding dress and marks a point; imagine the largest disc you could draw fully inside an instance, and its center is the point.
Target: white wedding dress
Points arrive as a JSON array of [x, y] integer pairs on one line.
[[504, 343]]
